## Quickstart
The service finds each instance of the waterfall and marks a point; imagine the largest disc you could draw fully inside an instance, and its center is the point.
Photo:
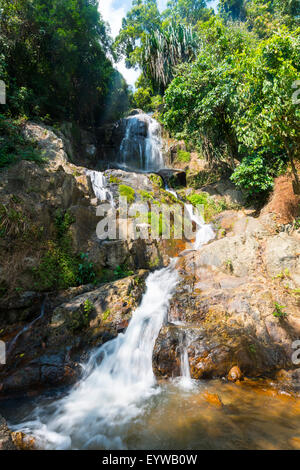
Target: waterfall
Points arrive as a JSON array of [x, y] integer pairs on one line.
[[185, 380], [118, 379], [100, 187], [141, 147], [26, 328], [204, 232]]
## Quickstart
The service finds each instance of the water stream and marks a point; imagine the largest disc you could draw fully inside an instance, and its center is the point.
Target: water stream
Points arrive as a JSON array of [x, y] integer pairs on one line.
[[100, 186], [27, 327], [141, 147], [118, 380], [118, 403]]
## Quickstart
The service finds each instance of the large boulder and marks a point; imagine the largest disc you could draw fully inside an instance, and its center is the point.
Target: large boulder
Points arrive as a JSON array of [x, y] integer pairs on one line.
[[49, 143], [282, 255], [47, 353], [237, 304]]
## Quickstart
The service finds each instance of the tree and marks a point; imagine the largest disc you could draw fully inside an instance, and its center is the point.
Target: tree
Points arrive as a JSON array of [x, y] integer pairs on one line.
[[235, 102], [166, 49], [200, 103], [268, 121], [55, 55], [143, 19], [189, 11], [232, 9]]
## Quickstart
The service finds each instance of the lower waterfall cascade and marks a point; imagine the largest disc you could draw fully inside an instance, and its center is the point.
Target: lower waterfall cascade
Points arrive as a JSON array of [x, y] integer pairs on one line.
[[117, 379]]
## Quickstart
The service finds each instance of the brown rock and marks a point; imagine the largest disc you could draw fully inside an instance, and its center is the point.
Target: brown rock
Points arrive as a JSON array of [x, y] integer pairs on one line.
[[235, 374], [6, 442], [22, 441], [213, 399]]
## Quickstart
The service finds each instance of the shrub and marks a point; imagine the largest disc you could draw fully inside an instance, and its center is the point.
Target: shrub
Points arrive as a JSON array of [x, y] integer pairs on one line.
[[278, 312], [128, 192], [60, 267], [13, 145], [211, 207], [121, 271], [63, 221], [145, 196], [88, 307], [12, 222], [106, 314], [252, 176], [86, 273], [156, 180], [184, 157]]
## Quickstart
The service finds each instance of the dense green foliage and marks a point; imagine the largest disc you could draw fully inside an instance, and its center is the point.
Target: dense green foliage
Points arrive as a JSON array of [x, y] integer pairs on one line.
[[13, 145], [60, 267], [227, 81], [54, 61], [236, 102], [221, 81]]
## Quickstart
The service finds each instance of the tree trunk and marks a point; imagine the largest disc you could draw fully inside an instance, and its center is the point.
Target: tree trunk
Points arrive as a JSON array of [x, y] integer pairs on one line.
[[296, 182]]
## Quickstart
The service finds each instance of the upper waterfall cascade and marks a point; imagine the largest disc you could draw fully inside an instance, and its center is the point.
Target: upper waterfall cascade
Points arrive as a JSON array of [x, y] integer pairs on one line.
[[141, 147]]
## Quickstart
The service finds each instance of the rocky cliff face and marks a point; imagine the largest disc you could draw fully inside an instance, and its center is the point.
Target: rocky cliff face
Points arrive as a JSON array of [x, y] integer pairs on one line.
[[46, 352], [237, 304]]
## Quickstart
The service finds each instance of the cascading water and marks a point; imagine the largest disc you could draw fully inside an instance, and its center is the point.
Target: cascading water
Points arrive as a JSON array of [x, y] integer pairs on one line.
[[185, 380], [204, 232], [117, 381], [13, 342], [100, 186], [141, 147]]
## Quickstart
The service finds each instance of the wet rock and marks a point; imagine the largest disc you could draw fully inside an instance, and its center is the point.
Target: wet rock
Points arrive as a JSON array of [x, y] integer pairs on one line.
[[22, 441], [48, 354], [6, 442], [213, 399], [290, 379], [227, 318], [135, 112], [111, 304], [173, 178], [234, 374]]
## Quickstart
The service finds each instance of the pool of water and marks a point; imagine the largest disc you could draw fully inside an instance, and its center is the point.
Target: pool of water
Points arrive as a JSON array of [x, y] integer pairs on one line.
[[207, 415]]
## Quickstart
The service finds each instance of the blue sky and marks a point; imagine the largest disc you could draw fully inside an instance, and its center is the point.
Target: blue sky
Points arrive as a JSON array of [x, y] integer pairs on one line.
[[113, 11]]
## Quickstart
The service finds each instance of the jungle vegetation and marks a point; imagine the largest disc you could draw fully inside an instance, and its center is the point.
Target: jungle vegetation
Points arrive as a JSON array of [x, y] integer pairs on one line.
[[222, 81]]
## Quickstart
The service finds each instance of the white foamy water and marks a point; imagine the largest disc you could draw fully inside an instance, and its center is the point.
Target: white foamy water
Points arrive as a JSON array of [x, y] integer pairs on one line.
[[118, 379], [100, 186], [141, 147], [204, 232]]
